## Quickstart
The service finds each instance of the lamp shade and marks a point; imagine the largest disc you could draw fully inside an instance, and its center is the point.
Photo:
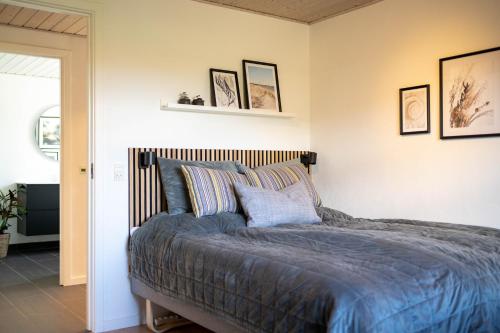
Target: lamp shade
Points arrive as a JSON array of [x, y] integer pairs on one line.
[[147, 159], [308, 158]]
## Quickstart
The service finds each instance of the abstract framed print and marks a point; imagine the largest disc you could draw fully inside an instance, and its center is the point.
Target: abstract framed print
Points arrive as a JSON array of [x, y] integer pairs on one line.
[[262, 88], [225, 89], [414, 110], [470, 95]]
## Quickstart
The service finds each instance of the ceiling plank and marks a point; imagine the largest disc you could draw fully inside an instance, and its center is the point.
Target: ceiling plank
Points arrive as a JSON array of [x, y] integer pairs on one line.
[[83, 32], [37, 61], [6, 58], [50, 71], [37, 19], [16, 60], [46, 67], [23, 17], [51, 21], [65, 23], [77, 26], [8, 13], [24, 61]]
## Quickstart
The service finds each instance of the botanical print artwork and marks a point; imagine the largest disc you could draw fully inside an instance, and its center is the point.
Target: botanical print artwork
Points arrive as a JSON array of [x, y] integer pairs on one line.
[[262, 86], [414, 110], [470, 95], [50, 132], [225, 89], [466, 102]]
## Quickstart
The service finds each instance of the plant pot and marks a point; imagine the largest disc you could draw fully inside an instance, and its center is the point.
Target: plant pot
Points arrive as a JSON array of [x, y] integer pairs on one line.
[[184, 100], [4, 245], [198, 101]]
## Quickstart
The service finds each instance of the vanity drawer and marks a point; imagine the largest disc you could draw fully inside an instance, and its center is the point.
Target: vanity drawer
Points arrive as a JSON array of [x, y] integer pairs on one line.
[[42, 209], [39, 222], [39, 196]]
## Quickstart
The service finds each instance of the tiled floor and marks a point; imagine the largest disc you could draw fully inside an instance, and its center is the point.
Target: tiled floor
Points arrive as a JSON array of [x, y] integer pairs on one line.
[[31, 299], [185, 329]]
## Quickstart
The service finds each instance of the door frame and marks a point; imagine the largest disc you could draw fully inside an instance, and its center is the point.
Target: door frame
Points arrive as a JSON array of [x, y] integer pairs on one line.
[[64, 56], [91, 239]]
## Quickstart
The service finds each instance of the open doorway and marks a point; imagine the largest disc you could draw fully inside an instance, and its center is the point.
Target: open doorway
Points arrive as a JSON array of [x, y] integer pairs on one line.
[[44, 136]]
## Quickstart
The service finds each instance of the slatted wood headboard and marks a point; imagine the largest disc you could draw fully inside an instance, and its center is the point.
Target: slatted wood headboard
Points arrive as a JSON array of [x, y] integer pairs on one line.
[[146, 196]]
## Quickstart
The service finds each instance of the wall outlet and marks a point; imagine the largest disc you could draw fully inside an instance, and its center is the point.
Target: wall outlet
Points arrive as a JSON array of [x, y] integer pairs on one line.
[[118, 172]]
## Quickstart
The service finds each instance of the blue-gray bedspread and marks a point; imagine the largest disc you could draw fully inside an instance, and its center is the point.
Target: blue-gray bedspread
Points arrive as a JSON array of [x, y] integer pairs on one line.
[[342, 275]]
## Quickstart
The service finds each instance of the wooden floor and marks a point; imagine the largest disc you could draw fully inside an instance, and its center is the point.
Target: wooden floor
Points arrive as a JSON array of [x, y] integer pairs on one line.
[[31, 299]]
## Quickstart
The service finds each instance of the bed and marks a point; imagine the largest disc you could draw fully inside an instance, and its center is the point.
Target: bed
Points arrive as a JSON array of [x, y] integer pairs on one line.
[[343, 274]]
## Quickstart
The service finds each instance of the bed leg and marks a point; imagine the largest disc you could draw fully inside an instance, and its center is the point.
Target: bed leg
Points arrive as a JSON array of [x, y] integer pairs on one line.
[[161, 320]]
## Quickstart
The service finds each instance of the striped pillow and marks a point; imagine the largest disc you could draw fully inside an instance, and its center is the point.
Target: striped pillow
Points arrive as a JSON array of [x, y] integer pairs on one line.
[[212, 191], [278, 176]]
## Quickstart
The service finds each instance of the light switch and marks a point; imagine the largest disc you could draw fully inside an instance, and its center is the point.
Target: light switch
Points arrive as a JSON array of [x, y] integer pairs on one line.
[[163, 104], [118, 172]]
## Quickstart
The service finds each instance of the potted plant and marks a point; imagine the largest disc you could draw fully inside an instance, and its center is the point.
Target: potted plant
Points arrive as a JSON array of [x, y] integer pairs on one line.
[[9, 208]]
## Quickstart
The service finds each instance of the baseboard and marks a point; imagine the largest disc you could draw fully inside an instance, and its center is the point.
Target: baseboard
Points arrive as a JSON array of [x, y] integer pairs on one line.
[[36, 246], [119, 323], [76, 280]]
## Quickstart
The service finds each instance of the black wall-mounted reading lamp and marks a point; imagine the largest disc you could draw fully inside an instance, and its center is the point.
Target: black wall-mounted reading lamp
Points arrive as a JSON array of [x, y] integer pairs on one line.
[[147, 159], [308, 158]]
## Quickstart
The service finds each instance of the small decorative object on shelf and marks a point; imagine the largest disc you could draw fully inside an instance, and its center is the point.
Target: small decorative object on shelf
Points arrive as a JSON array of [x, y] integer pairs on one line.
[[197, 100], [183, 98], [9, 208]]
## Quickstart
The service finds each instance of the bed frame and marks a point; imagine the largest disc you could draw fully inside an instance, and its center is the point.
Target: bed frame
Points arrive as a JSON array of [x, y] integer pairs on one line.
[[147, 198]]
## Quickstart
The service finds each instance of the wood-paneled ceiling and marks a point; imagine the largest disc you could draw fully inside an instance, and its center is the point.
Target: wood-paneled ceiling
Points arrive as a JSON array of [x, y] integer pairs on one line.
[[20, 64], [43, 20], [305, 11]]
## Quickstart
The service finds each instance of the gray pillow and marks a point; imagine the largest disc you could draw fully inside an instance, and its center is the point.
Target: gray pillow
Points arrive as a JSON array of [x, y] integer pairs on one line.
[[266, 208], [174, 183], [243, 168]]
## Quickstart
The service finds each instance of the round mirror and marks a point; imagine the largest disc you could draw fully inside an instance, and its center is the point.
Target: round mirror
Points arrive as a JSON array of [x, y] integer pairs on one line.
[[48, 132]]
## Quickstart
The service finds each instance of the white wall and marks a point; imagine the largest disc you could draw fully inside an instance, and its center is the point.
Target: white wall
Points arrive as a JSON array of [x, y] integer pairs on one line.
[[359, 61], [22, 100], [155, 51], [138, 62], [74, 140]]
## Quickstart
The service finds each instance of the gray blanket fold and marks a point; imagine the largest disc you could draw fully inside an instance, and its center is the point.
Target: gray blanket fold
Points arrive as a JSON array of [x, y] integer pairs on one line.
[[341, 275]]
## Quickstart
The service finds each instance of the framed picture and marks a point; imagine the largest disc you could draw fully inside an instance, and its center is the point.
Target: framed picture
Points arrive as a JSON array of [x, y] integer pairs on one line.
[[225, 88], [470, 95], [262, 88], [414, 110], [49, 132]]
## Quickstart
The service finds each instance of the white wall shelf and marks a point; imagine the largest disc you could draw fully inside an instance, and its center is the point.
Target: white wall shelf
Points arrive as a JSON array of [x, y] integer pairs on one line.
[[224, 111]]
